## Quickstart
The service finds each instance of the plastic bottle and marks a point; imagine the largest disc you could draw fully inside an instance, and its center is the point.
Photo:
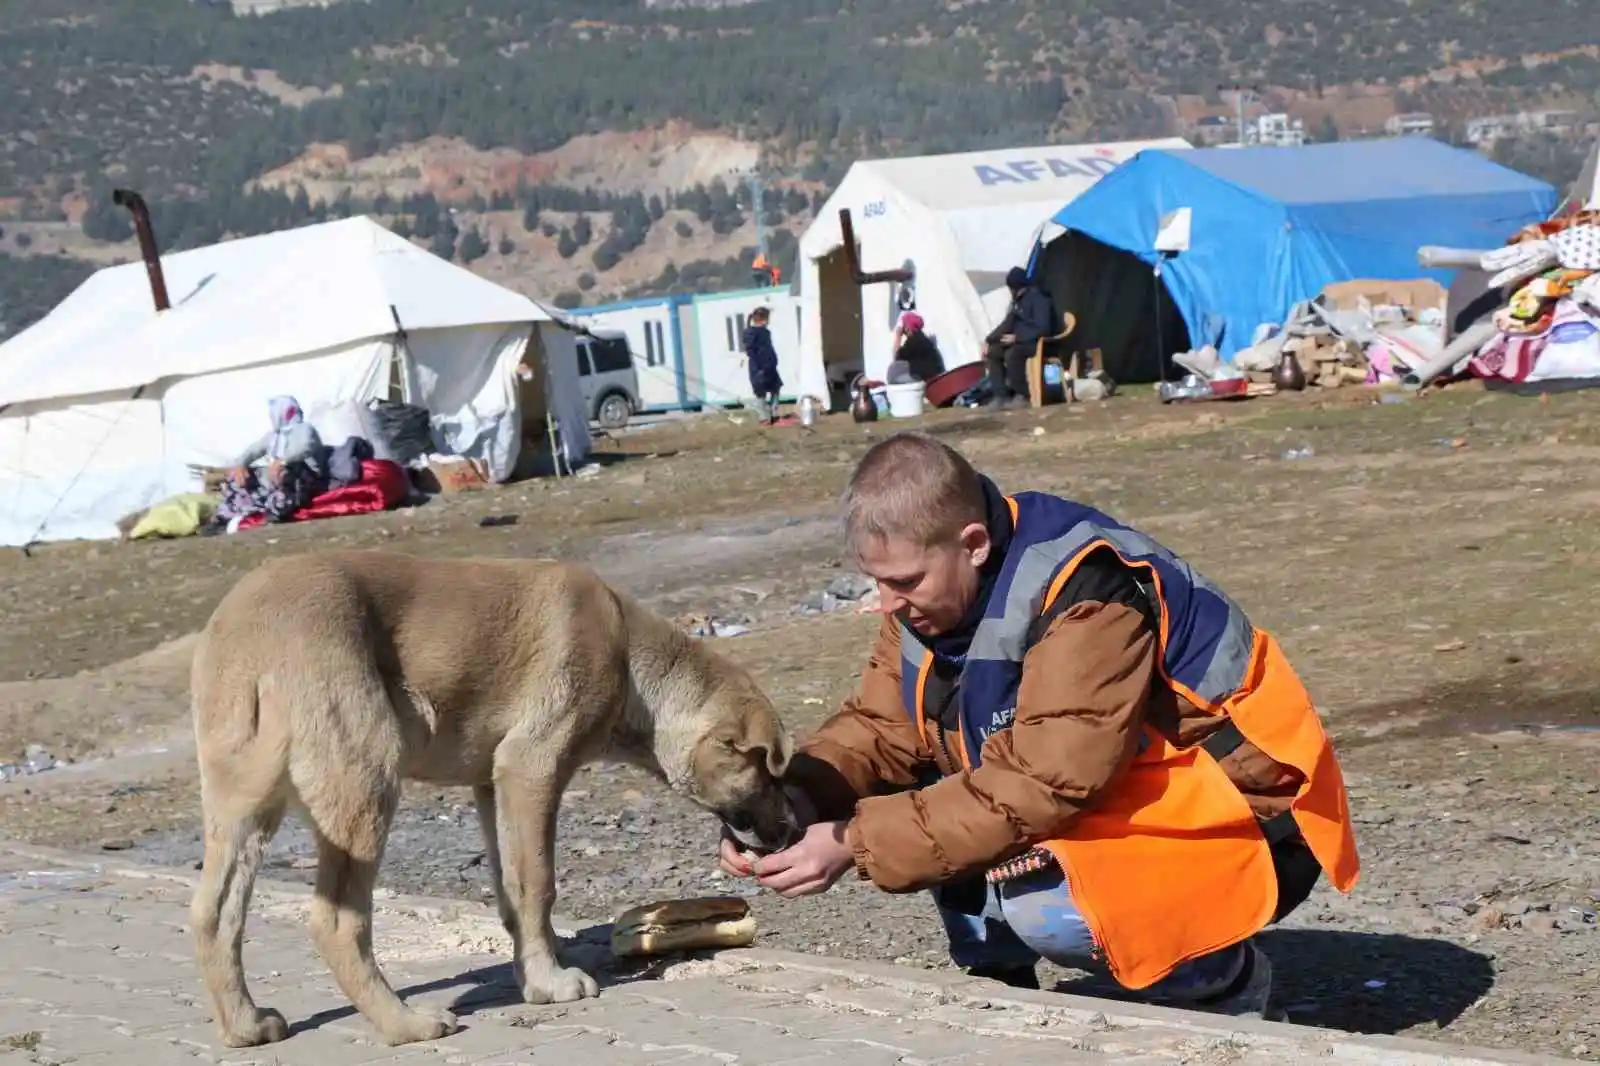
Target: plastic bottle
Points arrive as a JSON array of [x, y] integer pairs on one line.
[[1190, 388]]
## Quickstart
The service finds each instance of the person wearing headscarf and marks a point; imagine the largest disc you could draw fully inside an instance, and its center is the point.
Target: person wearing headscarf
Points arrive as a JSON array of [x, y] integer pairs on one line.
[[916, 355], [295, 470]]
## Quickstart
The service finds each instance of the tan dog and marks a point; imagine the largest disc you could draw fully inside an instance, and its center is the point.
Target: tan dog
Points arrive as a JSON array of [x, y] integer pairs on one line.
[[324, 680]]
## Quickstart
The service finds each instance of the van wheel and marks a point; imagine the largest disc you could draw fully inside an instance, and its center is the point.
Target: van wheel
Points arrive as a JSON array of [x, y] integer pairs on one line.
[[614, 411]]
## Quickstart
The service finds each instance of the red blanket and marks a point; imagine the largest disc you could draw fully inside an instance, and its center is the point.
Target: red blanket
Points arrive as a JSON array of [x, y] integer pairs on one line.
[[383, 485]]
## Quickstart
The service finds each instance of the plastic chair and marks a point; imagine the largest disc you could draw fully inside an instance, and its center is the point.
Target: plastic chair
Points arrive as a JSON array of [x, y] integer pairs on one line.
[[1036, 362]]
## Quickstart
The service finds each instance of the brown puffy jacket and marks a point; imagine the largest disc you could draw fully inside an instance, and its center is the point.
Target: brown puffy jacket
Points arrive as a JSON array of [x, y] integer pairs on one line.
[[1088, 686]]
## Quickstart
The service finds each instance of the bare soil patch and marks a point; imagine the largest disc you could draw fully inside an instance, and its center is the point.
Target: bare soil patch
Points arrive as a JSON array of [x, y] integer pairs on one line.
[[1429, 570]]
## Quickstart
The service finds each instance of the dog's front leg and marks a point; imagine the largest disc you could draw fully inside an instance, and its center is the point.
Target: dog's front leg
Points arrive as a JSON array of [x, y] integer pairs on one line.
[[527, 794]]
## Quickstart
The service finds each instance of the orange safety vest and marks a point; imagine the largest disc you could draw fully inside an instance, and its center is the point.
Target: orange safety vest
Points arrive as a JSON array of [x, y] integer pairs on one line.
[[1170, 863]]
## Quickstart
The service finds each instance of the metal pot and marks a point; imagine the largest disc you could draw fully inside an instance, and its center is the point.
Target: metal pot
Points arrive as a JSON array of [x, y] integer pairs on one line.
[[808, 410], [1289, 376], [863, 408]]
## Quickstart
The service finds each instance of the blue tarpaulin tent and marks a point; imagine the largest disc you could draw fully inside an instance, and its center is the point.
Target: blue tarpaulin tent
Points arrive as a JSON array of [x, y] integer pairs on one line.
[[1273, 226]]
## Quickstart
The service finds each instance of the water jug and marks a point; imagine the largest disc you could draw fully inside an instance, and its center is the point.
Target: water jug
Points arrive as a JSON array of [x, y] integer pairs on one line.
[[862, 408], [1288, 376]]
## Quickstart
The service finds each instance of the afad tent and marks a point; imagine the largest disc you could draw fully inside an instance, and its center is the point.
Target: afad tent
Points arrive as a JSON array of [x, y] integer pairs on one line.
[[959, 222], [105, 402], [1266, 228], [1585, 194]]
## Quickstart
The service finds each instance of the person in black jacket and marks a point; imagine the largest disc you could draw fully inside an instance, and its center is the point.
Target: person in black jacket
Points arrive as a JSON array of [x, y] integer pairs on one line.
[[1032, 315], [762, 361], [916, 356]]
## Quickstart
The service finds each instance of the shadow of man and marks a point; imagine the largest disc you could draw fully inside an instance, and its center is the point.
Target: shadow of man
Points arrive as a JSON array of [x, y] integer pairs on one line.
[[1371, 983]]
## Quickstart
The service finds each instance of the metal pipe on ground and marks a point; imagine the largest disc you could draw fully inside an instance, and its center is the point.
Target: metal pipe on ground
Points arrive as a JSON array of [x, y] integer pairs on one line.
[[147, 243], [1457, 351], [1439, 257], [1469, 340]]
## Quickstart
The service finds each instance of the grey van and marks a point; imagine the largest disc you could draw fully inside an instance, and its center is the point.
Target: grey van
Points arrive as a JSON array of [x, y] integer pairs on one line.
[[608, 378]]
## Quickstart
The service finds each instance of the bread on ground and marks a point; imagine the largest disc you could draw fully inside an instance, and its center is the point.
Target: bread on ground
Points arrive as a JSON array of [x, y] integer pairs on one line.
[[683, 925]]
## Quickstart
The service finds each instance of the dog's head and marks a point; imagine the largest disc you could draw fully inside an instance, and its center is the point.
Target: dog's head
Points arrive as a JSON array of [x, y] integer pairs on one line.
[[737, 769]]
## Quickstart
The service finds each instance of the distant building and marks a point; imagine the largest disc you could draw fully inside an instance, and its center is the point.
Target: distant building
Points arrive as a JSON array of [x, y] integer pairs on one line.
[[1278, 130], [1410, 124], [1214, 130], [1555, 121], [1487, 129], [1275, 130]]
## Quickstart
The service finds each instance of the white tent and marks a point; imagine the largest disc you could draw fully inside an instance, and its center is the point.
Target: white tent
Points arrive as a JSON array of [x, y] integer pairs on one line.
[[959, 221], [105, 402], [1586, 190]]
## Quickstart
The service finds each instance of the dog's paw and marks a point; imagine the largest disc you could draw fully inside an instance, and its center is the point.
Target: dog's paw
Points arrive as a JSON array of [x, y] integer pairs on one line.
[[418, 1024], [558, 984], [266, 1027]]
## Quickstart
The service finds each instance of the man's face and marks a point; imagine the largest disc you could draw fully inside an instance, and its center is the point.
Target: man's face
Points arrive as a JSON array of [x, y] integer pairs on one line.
[[928, 588]]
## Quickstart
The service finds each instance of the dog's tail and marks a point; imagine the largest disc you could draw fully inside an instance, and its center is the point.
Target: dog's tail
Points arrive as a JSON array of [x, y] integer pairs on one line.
[[232, 735]]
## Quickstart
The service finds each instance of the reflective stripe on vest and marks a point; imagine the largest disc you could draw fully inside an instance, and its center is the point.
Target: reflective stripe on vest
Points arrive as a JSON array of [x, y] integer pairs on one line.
[[1206, 640], [1210, 664]]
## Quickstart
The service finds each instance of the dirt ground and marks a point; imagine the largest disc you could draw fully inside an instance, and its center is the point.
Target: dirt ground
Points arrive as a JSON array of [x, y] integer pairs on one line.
[[1429, 569]]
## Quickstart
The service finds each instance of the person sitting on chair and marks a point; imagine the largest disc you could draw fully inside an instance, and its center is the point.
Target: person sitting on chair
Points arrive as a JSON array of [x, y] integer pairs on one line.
[[1030, 318]]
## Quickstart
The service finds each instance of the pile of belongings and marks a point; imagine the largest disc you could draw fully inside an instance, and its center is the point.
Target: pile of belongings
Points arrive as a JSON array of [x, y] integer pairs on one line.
[[1364, 332], [1549, 329], [366, 472]]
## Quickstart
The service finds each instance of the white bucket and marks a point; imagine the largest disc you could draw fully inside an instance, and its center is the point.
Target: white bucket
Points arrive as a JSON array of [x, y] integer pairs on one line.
[[905, 401]]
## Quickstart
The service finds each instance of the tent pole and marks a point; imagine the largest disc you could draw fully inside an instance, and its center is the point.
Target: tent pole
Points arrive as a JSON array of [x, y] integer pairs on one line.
[[552, 431], [401, 349], [1161, 343], [555, 456]]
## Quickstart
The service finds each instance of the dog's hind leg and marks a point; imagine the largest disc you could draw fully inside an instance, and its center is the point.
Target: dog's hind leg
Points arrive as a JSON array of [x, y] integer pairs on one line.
[[238, 827], [530, 773], [350, 796]]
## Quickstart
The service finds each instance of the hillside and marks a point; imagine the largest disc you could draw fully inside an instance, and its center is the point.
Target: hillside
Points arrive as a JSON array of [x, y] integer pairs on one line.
[[232, 124]]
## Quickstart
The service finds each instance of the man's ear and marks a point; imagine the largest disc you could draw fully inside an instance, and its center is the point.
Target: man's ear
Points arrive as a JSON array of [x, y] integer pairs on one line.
[[975, 541]]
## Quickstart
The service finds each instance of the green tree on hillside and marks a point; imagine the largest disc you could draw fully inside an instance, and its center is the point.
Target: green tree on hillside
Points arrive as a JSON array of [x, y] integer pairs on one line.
[[473, 246]]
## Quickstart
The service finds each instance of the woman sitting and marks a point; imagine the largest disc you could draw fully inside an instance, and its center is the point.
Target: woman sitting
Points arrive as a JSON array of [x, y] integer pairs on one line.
[[916, 355], [296, 470]]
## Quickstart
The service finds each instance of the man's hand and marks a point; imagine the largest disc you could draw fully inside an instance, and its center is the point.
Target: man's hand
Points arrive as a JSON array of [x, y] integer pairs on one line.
[[811, 866], [1008, 338], [240, 475], [731, 859], [275, 472]]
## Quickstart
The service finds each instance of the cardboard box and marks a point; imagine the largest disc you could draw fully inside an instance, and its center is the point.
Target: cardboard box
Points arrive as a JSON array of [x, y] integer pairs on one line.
[[456, 474]]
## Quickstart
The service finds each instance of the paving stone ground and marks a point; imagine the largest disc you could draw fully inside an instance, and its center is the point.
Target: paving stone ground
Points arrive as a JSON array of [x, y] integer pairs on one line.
[[96, 970]]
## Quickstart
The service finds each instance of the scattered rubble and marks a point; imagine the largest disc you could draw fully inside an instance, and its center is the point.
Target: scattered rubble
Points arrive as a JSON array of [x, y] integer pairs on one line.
[[35, 760], [844, 591], [705, 625]]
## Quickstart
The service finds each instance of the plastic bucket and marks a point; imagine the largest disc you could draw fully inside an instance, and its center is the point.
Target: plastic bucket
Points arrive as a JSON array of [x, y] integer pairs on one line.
[[905, 401]]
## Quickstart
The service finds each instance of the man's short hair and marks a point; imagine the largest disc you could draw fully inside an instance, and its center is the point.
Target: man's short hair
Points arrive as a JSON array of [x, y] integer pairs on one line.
[[911, 487], [760, 314]]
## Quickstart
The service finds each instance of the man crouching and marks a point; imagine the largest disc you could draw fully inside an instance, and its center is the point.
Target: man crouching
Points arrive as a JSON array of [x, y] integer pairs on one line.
[[1081, 745]]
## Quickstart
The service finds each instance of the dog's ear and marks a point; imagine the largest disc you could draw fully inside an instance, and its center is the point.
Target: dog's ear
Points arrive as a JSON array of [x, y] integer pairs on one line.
[[764, 733]]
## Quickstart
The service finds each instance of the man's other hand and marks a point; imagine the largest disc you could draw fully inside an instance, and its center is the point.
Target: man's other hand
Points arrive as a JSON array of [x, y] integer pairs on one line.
[[811, 866]]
